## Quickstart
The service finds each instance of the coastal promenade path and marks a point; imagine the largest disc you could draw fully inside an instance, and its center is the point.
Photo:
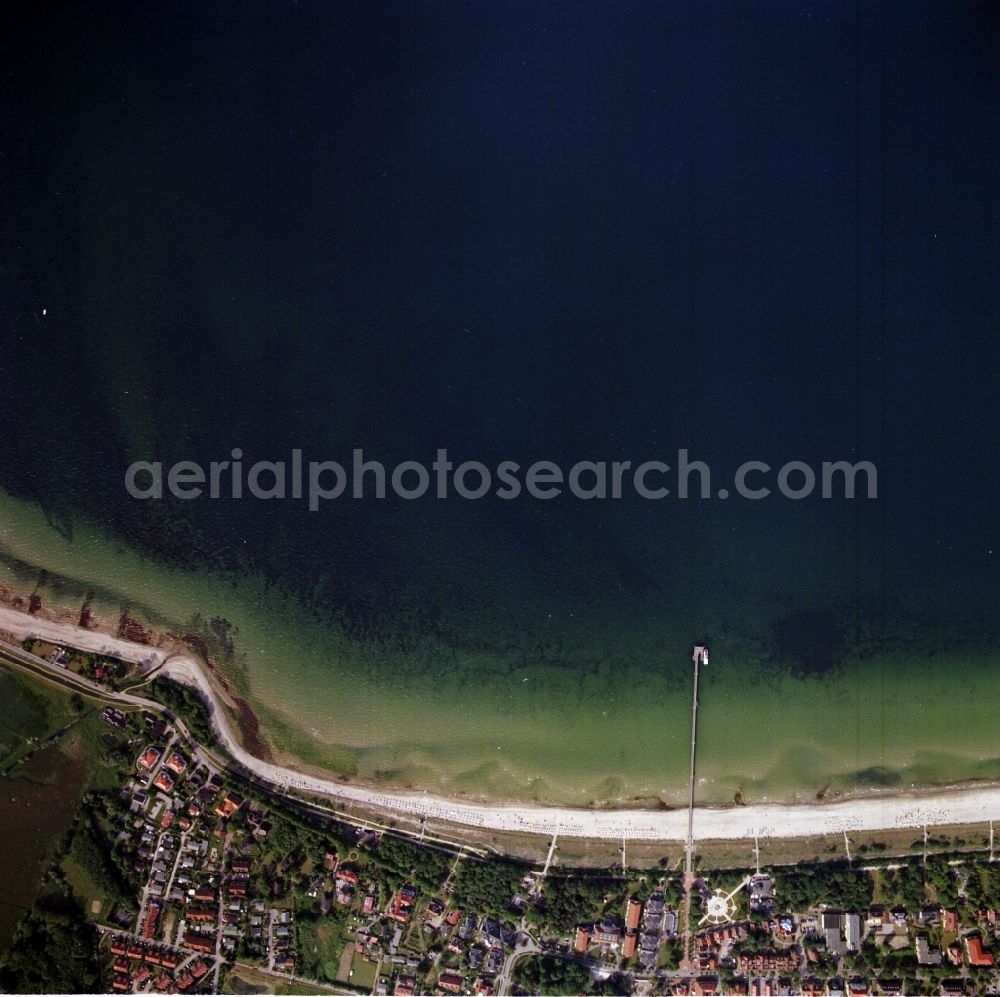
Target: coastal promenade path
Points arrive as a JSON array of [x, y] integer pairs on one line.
[[964, 805]]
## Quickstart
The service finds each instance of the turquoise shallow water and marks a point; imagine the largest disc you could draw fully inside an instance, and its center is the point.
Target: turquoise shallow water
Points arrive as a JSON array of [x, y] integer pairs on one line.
[[552, 232], [572, 729]]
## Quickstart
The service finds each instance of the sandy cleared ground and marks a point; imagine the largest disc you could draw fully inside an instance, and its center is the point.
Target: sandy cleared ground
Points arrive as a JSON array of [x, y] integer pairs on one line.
[[962, 805]]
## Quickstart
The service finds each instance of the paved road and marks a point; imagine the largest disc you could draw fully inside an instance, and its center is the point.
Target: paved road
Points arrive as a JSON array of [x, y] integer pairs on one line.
[[526, 946], [185, 956], [54, 673], [62, 676], [915, 809]]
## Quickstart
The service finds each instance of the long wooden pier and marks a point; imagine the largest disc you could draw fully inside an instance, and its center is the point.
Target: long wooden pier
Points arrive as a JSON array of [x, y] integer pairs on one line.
[[699, 656]]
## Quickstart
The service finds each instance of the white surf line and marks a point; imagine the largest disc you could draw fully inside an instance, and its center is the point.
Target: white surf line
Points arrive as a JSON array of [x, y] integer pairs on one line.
[[967, 805]]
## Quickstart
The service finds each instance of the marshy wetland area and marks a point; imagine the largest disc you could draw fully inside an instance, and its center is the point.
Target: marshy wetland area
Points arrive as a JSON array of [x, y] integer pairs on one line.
[[54, 750]]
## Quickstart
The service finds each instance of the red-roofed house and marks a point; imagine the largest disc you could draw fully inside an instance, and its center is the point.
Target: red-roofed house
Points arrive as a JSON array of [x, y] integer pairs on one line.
[[402, 904], [149, 921], [148, 758], [176, 762], [978, 956], [229, 806], [200, 943], [703, 985]]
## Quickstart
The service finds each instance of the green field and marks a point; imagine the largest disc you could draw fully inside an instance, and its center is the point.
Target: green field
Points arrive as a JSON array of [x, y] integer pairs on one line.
[[363, 972], [95, 906], [52, 754], [32, 712], [244, 980], [322, 944]]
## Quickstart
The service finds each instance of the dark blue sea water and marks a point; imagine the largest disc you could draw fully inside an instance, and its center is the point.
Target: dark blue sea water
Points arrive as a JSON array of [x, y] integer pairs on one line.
[[560, 231]]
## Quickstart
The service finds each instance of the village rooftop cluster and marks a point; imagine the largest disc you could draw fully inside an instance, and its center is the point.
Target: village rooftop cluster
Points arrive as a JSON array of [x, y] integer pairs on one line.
[[234, 885]]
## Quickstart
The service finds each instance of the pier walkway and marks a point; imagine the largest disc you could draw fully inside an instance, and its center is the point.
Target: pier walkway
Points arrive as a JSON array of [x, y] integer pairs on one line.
[[699, 656]]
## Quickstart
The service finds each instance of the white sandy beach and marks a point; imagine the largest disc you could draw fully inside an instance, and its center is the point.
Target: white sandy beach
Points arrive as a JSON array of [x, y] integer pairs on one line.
[[914, 810]]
